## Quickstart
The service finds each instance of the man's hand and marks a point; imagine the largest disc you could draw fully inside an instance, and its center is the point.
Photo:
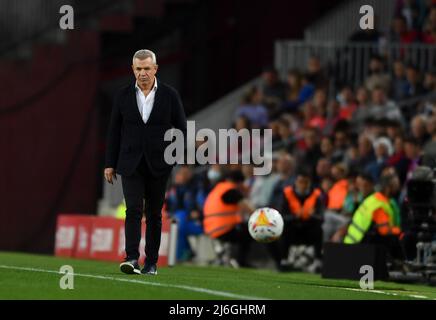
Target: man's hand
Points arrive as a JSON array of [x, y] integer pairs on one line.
[[109, 173]]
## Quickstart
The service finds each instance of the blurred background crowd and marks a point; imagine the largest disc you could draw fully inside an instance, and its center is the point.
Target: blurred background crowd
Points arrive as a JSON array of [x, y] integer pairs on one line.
[[342, 142]]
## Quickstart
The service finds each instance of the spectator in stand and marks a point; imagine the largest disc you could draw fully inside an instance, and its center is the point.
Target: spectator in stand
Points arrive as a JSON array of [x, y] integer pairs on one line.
[[263, 186], [378, 78], [429, 36], [383, 150], [312, 151], [320, 101], [282, 134], [333, 117], [341, 144], [314, 115], [285, 168], [429, 82], [315, 73], [382, 108], [412, 149], [398, 159], [327, 148], [323, 169], [414, 86], [362, 110], [253, 109], [273, 89], [400, 32], [181, 204], [307, 88], [347, 103], [393, 129], [429, 150], [410, 10], [365, 151], [418, 128], [293, 91], [399, 81]]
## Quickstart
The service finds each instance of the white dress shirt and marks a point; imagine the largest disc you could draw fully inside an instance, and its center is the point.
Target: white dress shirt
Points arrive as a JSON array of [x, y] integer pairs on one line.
[[145, 103]]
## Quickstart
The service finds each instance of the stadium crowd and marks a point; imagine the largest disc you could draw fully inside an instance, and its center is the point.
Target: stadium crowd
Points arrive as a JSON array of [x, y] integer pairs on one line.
[[332, 150]]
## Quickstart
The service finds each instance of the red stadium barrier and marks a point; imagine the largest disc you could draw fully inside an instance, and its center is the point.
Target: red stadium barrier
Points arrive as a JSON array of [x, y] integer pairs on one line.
[[101, 238]]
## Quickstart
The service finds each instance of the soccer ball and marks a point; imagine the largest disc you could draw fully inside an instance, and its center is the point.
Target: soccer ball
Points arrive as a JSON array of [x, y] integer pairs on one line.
[[265, 225]]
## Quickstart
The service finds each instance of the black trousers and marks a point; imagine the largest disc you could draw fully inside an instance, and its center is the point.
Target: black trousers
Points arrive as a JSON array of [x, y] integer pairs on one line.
[[241, 240], [140, 186], [297, 232]]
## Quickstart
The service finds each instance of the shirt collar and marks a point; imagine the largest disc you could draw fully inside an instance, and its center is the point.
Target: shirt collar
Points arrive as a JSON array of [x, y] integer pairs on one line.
[[154, 85]]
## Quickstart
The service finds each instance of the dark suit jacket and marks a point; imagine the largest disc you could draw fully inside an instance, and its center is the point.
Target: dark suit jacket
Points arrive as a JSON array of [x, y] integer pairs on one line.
[[129, 138]]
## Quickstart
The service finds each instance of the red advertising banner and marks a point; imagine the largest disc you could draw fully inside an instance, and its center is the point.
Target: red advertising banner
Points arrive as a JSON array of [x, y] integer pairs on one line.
[[101, 238]]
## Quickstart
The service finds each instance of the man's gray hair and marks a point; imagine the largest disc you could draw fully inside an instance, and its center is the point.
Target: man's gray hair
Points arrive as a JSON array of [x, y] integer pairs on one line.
[[144, 54]]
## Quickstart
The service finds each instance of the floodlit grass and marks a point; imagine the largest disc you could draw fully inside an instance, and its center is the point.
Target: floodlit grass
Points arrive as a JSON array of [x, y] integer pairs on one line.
[[25, 276]]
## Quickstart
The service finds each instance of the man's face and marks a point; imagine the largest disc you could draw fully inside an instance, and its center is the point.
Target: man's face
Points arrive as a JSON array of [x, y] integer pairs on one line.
[[310, 138], [284, 165], [340, 139], [375, 65], [395, 186], [411, 75], [364, 186], [418, 127], [411, 150], [145, 71], [398, 69], [302, 184], [323, 168], [378, 96], [313, 65]]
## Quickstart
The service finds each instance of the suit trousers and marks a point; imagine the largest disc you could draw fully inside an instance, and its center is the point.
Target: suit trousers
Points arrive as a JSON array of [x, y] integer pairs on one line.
[[144, 192]]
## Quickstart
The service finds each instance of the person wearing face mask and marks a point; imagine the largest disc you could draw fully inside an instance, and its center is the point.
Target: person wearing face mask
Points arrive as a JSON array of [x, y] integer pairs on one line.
[[214, 174]]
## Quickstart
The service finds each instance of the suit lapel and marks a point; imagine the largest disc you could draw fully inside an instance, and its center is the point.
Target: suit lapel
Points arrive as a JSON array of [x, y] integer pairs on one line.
[[134, 104]]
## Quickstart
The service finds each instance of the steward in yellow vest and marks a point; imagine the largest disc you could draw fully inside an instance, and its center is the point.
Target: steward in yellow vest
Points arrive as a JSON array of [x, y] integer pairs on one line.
[[377, 213]]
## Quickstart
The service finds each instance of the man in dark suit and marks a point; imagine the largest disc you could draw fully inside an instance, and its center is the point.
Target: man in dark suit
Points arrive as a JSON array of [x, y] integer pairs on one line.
[[143, 111]]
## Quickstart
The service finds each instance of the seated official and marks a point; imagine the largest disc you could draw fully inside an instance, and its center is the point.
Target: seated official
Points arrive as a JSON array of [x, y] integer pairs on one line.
[[377, 219], [224, 217], [302, 214]]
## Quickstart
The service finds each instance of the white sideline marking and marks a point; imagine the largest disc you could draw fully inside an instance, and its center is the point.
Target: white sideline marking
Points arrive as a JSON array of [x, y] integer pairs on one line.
[[381, 292], [208, 291], [156, 284]]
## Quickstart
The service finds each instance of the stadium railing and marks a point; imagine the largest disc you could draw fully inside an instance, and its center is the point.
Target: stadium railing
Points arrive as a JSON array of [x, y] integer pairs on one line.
[[348, 62]]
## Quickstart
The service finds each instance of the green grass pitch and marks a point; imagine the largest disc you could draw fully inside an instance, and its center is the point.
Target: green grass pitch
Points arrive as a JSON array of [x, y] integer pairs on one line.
[[25, 276]]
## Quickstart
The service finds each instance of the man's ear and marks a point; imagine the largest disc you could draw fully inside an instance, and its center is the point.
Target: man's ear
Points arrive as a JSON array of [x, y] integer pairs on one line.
[[156, 67]]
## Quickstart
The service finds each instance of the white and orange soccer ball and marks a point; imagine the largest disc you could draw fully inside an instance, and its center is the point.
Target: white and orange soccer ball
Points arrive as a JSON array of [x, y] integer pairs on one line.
[[265, 225]]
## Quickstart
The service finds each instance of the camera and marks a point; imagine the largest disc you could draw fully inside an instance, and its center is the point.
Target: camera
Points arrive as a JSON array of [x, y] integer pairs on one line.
[[421, 222]]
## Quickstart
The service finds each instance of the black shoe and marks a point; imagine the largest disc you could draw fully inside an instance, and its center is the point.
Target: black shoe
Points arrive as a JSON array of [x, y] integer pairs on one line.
[[130, 267], [150, 269]]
